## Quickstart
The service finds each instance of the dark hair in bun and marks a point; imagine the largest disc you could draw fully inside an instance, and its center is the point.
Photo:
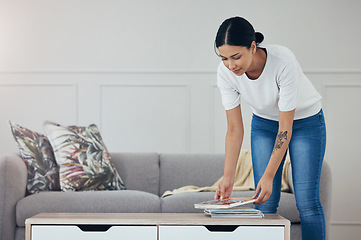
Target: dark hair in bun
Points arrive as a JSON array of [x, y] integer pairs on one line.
[[259, 37], [237, 31]]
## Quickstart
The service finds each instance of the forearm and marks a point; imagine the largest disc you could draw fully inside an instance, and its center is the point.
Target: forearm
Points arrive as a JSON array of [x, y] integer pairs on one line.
[[234, 141], [282, 141], [281, 144]]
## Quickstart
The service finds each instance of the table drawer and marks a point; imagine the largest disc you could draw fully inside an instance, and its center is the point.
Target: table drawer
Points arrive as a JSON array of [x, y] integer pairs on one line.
[[221, 232], [92, 232]]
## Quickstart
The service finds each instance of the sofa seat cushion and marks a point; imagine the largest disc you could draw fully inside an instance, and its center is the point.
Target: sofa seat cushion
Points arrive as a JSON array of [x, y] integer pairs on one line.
[[184, 202], [86, 202]]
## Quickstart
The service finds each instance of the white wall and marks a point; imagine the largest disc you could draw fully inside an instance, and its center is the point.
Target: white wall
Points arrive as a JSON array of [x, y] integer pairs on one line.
[[144, 71]]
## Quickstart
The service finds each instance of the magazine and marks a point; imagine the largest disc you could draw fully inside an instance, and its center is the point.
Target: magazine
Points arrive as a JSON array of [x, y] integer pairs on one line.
[[225, 203], [235, 213]]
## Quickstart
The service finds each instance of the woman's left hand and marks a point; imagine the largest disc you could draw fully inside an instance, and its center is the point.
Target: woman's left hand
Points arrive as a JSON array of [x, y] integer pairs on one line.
[[264, 189]]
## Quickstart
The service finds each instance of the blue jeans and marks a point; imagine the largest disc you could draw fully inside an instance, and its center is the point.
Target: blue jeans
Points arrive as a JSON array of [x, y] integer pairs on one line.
[[307, 149]]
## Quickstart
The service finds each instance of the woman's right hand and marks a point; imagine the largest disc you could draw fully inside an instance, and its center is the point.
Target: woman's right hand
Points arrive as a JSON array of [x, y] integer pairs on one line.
[[224, 189]]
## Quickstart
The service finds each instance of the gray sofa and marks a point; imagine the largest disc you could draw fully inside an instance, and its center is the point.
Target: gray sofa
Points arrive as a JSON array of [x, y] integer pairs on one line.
[[146, 175]]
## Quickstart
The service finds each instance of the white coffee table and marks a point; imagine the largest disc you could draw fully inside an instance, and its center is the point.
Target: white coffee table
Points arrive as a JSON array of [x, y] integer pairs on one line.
[[153, 226]]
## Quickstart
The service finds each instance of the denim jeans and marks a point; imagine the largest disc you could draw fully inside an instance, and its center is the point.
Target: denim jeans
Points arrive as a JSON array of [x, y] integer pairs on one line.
[[307, 149]]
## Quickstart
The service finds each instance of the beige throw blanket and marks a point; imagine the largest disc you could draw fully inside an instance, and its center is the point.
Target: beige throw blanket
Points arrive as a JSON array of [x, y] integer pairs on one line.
[[243, 178]]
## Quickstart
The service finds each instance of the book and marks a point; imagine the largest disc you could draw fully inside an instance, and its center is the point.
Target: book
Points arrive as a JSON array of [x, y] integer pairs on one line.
[[223, 204], [235, 213]]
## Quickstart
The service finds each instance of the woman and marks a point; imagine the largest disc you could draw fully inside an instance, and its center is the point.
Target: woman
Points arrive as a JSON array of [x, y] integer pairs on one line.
[[287, 115]]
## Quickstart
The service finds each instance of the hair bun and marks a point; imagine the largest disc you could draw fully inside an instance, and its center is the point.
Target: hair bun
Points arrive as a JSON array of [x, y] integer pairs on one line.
[[259, 37]]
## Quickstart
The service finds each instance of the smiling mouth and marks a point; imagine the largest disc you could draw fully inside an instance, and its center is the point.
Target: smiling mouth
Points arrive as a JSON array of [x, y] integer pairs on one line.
[[236, 71]]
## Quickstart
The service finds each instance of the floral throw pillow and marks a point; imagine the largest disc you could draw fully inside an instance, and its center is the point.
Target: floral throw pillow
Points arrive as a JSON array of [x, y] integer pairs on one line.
[[84, 161], [37, 153]]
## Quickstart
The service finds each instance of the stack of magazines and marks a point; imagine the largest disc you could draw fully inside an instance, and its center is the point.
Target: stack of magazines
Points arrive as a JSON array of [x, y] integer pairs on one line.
[[235, 213], [230, 207]]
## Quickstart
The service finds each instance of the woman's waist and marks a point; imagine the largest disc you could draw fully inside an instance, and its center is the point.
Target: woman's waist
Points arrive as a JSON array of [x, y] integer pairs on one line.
[[262, 122]]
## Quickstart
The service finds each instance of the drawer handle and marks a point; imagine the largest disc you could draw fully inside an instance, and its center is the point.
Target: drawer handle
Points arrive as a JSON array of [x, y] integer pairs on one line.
[[221, 228], [94, 228]]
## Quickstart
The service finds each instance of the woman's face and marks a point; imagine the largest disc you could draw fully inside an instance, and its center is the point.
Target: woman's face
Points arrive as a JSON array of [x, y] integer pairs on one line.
[[237, 58]]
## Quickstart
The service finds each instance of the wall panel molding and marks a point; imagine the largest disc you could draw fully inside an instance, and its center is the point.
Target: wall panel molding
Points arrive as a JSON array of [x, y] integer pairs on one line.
[[346, 223], [326, 86], [39, 84], [212, 112], [53, 84], [154, 85], [151, 85], [337, 100], [172, 71]]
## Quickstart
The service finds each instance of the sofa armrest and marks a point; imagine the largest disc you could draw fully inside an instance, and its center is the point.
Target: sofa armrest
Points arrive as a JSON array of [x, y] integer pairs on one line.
[[13, 178], [325, 193], [290, 180]]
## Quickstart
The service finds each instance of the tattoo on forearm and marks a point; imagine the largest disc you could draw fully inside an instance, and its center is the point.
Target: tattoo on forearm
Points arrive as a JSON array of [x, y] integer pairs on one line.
[[280, 140]]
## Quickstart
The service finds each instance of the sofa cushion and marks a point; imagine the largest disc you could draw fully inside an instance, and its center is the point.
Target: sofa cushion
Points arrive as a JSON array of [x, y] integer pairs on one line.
[[179, 170], [139, 171], [184, 202], [37, 153], [125, 201], [85, 163]]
